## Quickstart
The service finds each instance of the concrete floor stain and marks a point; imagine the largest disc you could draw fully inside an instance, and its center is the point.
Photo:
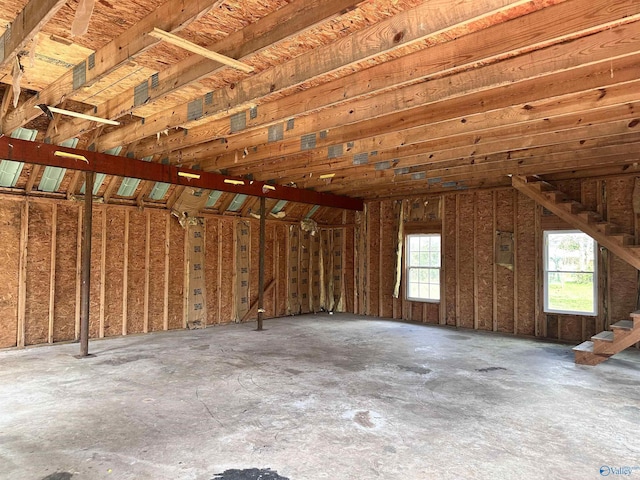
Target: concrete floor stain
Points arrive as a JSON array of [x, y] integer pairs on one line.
[[489, 369], [418, 370], [59, 476], [249, 474]]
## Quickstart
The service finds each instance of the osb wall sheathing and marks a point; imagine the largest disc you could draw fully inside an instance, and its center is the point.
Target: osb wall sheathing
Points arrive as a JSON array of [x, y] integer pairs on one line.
[[114, 271], [136, 257], [38, 273], [480, 293], [177, 260], [96, 306], [65, 272], [10, 219], [157, 265]]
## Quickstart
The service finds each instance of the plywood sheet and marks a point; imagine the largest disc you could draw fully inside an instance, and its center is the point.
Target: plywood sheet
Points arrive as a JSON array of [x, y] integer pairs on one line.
[[114, 268], [96, 270], [326, 259], [526, 265], [387, 259], [315, 265], [282, 235], [504, 276], [176, 275], [373, 259], [466, 236], [136, 271], [348, 269], [571, 327], [484, 258], [270, 270], [623, 277], [449, 266], [38, 273], [66, 265], [10, 218], [158, 221], [337, 247]]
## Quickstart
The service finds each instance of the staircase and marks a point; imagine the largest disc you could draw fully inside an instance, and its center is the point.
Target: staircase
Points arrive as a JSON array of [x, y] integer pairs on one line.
[[622, 335], [626, 332]]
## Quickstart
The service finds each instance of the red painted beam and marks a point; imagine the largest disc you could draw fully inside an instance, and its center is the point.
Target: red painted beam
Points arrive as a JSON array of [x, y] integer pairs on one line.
[[44, 154]]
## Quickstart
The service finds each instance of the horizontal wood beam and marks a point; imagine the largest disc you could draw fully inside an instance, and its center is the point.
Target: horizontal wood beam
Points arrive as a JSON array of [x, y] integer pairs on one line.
[[198, 50], [83, 160], [172, 15], [448, 69], [402, 30], [428, 158], [285, 23], [26, 25]]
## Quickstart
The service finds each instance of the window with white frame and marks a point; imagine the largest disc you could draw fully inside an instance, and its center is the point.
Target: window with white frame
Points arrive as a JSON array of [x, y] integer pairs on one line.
[[423, 267], [570, 280]]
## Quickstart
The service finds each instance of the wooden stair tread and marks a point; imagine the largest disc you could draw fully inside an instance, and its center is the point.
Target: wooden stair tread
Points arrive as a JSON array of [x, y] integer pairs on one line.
[[584, 347], [605, 336], [623, 325]]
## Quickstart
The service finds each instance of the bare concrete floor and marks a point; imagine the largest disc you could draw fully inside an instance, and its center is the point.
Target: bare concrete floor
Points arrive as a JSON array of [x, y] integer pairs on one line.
[[317, 397]]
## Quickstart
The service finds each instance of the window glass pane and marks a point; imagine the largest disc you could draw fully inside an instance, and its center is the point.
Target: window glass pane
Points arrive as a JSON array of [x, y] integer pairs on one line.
[[434, 292], [423, 267], [571, 292], [570, 252]]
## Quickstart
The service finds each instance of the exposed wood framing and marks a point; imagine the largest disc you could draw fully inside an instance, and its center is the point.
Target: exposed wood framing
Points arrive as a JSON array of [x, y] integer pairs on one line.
[[172, 16], [167, 251], [52, 271], [147, 268], [26, 25], [103, 271], [22, 274]]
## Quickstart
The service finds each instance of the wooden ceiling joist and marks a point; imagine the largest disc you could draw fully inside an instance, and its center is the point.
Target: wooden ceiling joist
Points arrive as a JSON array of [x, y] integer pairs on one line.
[[26, 25], [405, 29], [291, 20], [171, 16], [448, 63], [83, 160]]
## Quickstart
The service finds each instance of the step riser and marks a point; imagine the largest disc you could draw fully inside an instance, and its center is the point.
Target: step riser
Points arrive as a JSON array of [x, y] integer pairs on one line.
[[622, 339], [586, 358]]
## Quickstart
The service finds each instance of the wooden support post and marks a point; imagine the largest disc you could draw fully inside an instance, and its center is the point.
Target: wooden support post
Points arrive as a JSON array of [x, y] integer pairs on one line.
[[86, 266], [52, 271], [263, 234], [147, 266], [22, 275]]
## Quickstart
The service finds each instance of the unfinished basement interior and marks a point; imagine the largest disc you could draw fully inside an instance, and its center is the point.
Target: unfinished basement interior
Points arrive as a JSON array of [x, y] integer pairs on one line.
[[307, 239]]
